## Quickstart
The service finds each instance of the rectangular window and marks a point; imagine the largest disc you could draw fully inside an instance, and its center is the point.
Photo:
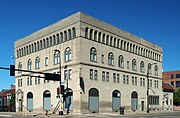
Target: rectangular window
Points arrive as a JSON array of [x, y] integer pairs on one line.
[[154, 83], [124, 79], [143, 81], [153, 100], [28, 81], [135, 81], [127, 64], [91, 73], [114, 77], [118, 78], [70, 74], [150, 85], [172, 83], [140, 81], [132, 80], [95, 74], [177, 84], [127, 79], [46, 61], [172, 76], [177, 75], [18, 83], [157, 84], [65, 74], [36, 80], [102, 58], [103, 75], [107, 76], [21, 82]]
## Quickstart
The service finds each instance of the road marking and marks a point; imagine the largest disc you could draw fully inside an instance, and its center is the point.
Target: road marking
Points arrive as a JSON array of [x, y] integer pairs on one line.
[[6, 115]]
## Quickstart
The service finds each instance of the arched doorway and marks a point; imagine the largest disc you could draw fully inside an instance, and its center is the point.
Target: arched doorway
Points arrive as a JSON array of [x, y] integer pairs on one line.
[[134, 100], [68, 104], [116, 100], [29, 101], [46, 100], [93, 100], [19, 95]]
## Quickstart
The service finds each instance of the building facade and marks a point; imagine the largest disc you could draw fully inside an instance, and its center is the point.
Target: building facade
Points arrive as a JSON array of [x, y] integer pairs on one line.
[[173, 78], [106, 67], [167, 97], [7, 99]]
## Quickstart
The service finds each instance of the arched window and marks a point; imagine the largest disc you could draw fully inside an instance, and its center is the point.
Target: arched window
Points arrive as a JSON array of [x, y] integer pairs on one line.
[[20, 67], [99, 37], [74, 32], [111, 39], [90, 34], [95, 35], [69, 34], [103, 39], [142, 67], [46, 100], [37, 63], [29, 101], [47, 42], [121, 61], [107, 40], [29, 66], [27, 51], [118, 42], [134, 65], [93, 55], [110, 58], [41, 47], [58, 39], [149, 68], [156, 70], [62, 40], [44, 43], [115, 42], [54, 40], [68, 54], [121, 46], [38, 46], [93, 100], [56, 57], [86, 32], [50, 44], [125, 45], [65, 36], [18, 54], [32, 48]]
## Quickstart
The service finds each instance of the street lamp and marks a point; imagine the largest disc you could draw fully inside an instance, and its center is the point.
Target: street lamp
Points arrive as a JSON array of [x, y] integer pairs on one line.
[[61, 104], [149, 65]]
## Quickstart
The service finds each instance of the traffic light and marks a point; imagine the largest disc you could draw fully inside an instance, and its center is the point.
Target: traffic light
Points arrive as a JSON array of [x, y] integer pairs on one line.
[[12, 70], [62, 90], [58, 92]]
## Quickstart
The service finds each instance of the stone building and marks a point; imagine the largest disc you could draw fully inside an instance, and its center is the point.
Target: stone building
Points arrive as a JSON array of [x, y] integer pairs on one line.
[[106, 67]]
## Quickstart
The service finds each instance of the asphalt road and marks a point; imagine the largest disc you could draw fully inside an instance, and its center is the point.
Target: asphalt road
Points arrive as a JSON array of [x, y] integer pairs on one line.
[[151, 115]]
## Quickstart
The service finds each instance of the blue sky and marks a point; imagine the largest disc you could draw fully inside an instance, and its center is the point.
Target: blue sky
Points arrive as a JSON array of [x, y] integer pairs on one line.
[[157, 21]]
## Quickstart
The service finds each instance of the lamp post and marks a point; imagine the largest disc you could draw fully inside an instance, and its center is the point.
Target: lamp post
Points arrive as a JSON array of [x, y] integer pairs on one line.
[[61, 103], [149, 65]]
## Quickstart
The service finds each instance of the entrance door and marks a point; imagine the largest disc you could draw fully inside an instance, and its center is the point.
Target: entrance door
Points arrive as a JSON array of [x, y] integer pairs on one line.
[[47, 100], [134, 100], [116, 100], [93, 100], [142, 105]]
